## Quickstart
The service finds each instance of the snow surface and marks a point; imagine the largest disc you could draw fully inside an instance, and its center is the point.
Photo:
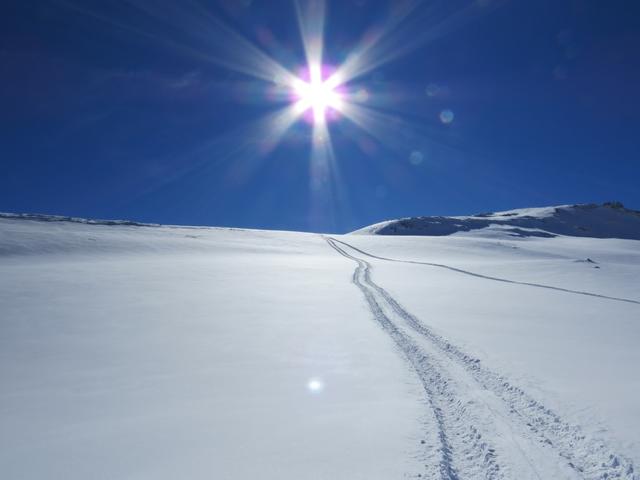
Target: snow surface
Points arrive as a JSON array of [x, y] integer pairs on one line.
[[148, 352]]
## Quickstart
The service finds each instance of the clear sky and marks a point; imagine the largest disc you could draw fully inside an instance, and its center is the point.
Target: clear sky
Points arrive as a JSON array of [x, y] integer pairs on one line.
[[180, 111]]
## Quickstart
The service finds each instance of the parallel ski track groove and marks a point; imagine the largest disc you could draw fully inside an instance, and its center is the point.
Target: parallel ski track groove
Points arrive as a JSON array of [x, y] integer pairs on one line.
[[447, 411], [590, 458], [489, 277]]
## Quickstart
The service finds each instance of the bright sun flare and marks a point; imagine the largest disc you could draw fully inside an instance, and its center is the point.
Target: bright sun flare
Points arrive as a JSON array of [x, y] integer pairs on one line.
[[318, 95]]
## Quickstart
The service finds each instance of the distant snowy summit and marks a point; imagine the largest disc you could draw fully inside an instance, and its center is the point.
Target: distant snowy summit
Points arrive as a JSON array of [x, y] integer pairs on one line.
[[609, 220]]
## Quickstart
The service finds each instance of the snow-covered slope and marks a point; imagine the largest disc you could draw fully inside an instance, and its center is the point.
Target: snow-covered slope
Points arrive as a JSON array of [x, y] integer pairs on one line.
[[609, 220], [151, 352]]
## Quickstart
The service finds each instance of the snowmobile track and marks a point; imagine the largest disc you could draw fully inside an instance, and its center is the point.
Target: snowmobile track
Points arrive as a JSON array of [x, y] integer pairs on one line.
[[455, 437], [489, 277], [464, 451]]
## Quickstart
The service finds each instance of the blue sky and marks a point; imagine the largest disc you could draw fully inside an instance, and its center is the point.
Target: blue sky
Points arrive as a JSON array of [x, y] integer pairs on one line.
[[151, 110]]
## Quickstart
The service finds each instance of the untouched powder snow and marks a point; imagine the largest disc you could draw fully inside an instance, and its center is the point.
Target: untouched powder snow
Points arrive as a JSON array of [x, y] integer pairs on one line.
[[149, 352]]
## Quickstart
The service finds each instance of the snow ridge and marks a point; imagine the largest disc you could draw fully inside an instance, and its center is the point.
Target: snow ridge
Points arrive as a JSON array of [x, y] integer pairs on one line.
[[609, 220], [60, 218]]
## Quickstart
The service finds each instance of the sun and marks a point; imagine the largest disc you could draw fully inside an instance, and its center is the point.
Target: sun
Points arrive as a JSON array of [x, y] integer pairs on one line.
[[318, 96]]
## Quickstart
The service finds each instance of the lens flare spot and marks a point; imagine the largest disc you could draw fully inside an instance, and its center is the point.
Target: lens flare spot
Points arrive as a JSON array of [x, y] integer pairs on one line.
[[362, 95], [315, 385], [416, 157], [432, 90], [446, 116]]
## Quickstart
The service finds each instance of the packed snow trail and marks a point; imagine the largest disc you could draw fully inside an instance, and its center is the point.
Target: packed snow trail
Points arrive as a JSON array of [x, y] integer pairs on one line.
[[488, 277], [453, 437], [487, 427]]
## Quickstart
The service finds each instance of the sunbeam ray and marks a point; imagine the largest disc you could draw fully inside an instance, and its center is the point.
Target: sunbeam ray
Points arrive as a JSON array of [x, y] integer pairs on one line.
[[232, 50], [237, 152], [321, 169], [392, 130], [388, 43], [311, 18], [207, 33]]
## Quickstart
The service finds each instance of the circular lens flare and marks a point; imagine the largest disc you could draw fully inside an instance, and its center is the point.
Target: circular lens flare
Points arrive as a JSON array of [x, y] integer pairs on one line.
[[315, 385], [317, 95]]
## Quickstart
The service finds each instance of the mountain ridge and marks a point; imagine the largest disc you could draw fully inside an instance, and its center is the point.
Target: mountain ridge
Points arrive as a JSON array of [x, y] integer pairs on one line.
[[607, 220]]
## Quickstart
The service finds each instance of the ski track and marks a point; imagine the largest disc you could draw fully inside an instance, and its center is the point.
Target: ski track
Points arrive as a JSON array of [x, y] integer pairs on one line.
[[446, 409], [464, 424], [489, 277]]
